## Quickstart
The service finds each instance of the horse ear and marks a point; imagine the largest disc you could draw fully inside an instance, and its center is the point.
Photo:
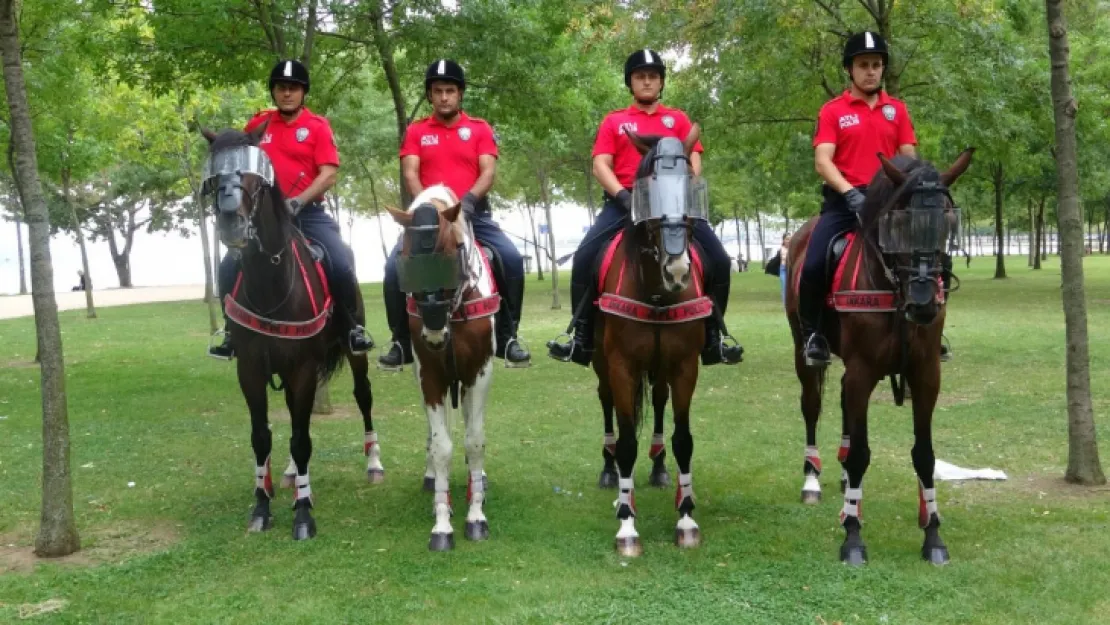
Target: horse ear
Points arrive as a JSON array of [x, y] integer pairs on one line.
[[401, 217], [691, 139], [641, 145], [896, 176], [256, 134], [963, 161], [208, 134], [451, 214]]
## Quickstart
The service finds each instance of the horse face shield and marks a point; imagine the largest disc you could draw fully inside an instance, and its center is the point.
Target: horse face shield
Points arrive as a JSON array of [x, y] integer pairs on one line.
[[224, 176], [918, 237], [431, 276], [669, 200]]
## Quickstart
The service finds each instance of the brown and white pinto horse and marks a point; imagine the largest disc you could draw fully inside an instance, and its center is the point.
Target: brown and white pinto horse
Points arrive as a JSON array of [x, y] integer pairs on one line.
[[884, 318], [282, 322], [651, 328], [452, 303]]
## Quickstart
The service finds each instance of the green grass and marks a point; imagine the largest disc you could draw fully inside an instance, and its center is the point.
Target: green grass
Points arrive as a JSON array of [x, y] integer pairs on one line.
[[146, 406]]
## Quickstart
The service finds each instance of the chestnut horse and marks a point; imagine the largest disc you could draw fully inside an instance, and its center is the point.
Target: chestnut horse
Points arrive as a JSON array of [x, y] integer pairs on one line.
[[283, 326], [452, 302], [651, 326], [885, 318]]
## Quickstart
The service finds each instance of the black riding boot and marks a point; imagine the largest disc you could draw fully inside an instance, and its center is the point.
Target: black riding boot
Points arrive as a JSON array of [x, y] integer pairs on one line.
[[400, 350], [719, 346], [509, 346], [580, 348], [223, 351], [815, 348], [359, 340]]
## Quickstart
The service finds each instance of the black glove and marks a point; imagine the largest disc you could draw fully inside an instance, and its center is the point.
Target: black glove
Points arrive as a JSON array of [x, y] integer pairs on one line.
[[624, 198], [294, 205], [469, 202], [855, 199]]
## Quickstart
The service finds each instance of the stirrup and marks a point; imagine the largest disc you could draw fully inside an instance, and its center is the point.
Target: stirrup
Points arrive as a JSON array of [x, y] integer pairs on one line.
[[359, 330], [725, 338], [813, 362], [515, 365], [391, 368], [213, 344], [568, 346], [945, 349]]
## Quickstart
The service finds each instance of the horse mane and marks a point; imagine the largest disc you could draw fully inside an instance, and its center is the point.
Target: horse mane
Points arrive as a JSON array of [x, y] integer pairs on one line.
[[883, 196]]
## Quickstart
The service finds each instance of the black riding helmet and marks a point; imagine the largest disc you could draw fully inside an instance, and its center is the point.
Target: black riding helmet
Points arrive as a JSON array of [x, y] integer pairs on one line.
[[445, 69], [642, 59], [866, 42], [292, 71]]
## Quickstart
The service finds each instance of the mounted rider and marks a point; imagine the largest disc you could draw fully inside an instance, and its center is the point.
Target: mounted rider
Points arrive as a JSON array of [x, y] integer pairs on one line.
[[301, 146], [452, 148], [615, 162]]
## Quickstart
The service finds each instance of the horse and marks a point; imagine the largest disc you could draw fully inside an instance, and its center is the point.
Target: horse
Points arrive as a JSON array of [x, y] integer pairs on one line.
[[884, 317], [452, 303], [281, 308], [651, 328]]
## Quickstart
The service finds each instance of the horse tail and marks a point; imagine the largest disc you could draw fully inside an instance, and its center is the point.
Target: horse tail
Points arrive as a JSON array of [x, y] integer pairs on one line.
[[643, 400]]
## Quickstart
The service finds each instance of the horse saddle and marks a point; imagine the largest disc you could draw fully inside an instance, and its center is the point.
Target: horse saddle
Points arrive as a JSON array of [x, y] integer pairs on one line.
[[495, 262]]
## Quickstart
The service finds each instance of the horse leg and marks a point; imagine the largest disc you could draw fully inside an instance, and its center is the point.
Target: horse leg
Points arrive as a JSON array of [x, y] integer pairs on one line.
[[856, 388], [474, 407], [439, 449], [360, 366], [300, 392], [686, 533], [626, 394], [254, 391], [608, 477], [429, 484], [925, 385], [845, 441], [658, 451], [812, 381]]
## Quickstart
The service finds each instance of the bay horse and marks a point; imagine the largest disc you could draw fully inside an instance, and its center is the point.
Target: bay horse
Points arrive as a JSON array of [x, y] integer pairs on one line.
[[282, 323], [651, 326], [884, 317], [452, 302]]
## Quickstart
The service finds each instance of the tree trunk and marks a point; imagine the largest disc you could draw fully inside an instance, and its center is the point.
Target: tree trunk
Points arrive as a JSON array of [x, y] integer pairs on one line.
[[762, 247], [22, 269], [997, 180], [545, 197], [736, 224], [748, 241], [384, 46], [1038, 247], [588, 170], [531, 210], [121, 260], [1029, 256], [90, 308], [57, 534], [1083, 462]]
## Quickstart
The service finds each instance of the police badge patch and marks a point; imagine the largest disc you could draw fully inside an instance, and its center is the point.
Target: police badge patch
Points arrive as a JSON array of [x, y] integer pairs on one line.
[[464, 134], [668, 121], [302, 134], [888, 112]]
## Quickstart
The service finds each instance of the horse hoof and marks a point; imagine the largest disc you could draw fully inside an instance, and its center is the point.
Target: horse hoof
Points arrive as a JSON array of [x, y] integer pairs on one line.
[[608, 479], [629, 547], [375, 476], [811, 497], [687, 538], [305, 530], [853, 555], [429, 484], [441, 542], [260, 523], [935, 555], [477, 530], [287, 481], [660, 479]]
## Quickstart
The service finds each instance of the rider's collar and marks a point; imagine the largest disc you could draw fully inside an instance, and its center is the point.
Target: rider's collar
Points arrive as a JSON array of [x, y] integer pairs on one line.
[[884, 98], [659, 109], [461, 118]]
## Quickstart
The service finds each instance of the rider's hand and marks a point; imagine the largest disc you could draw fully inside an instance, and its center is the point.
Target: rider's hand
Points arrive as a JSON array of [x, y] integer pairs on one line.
[[624, 198], [294, 205], [469, 202], [855, 199]]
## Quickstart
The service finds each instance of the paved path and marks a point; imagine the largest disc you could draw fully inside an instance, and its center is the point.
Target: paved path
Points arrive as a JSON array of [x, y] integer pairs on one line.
[[21, 306]]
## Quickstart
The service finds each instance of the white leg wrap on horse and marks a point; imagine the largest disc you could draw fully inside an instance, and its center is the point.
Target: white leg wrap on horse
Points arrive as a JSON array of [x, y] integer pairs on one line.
[[628, 528], [657, 446], [627, 495], [370, 441], [686, 523], [812, 484], [611, 444], [845, 447], [813, 458], [927, 504], [853, 503], [262, 478], [304, 490], [685, 488]]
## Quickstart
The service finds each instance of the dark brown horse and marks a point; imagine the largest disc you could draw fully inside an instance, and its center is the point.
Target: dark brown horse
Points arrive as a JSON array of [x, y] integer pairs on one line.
[[885, 318], [281, 309], [651, 327], [452, 305]]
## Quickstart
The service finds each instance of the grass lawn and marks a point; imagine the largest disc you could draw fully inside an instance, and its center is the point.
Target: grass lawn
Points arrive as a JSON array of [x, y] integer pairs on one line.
[[146, 407]]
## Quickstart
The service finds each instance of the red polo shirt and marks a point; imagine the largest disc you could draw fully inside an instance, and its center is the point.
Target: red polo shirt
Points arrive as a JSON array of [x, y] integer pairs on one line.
[[860, 133], [297, 148], [449, 154], [664, 122]]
